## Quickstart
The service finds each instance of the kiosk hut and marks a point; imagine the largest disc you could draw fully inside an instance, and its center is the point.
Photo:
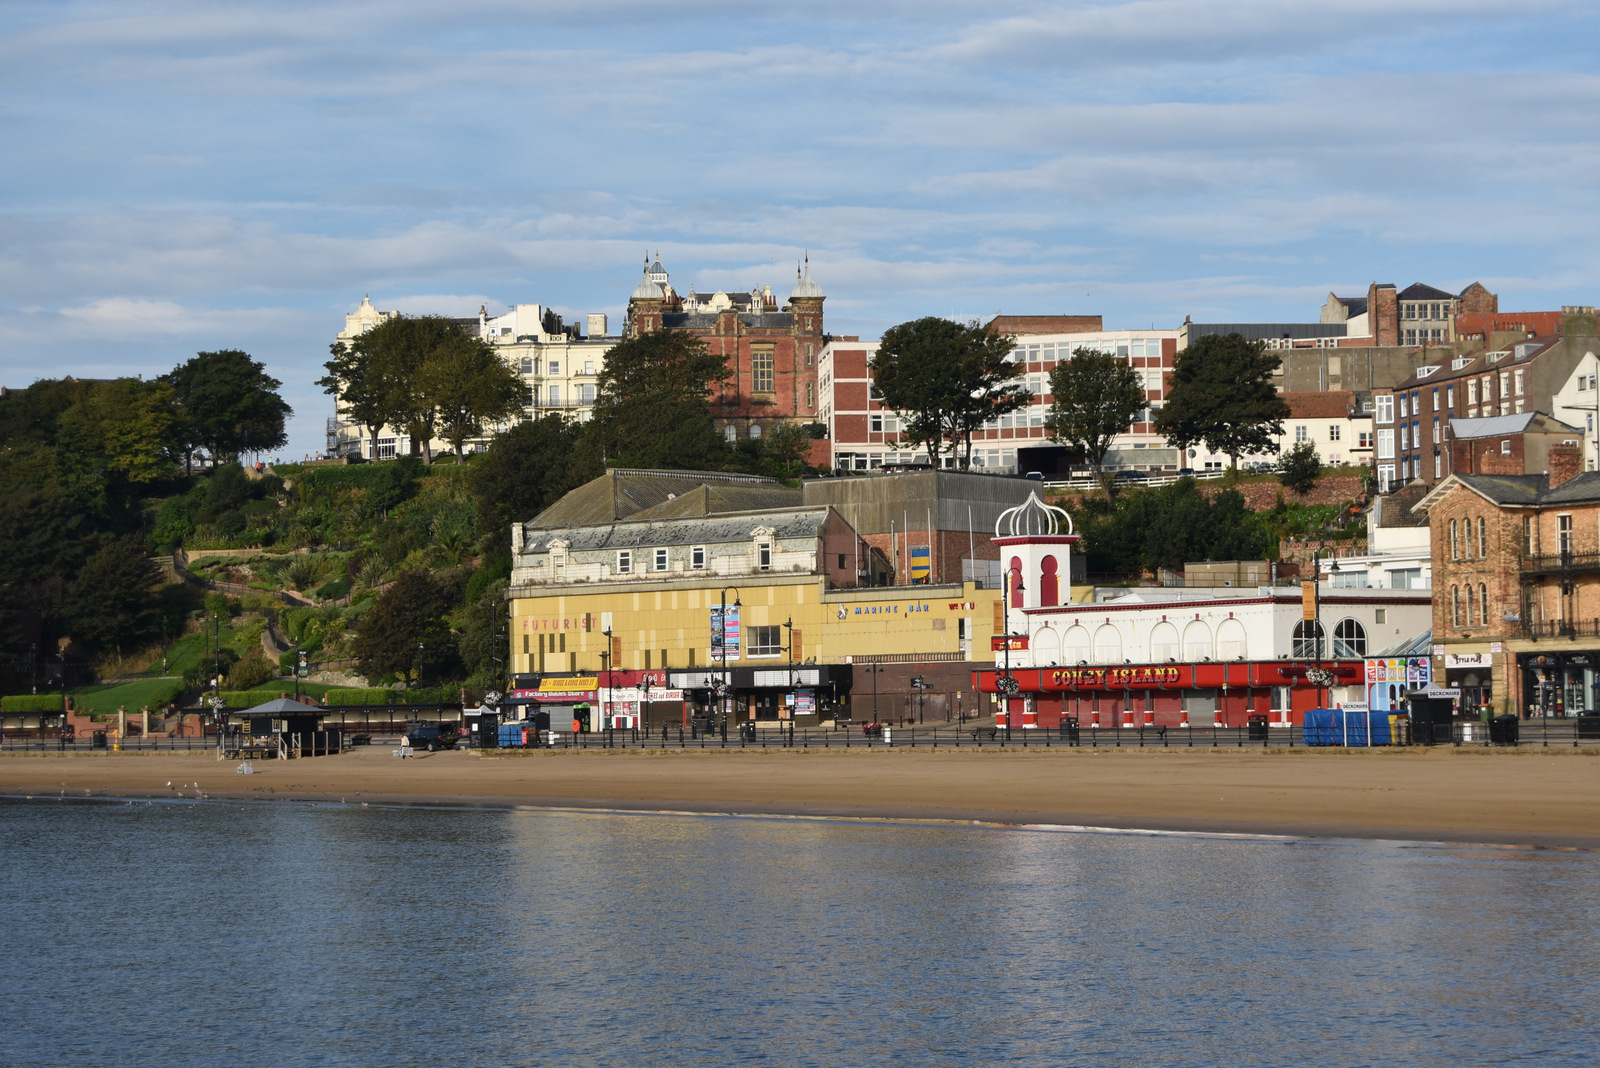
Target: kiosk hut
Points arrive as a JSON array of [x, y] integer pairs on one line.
[[283, 727]]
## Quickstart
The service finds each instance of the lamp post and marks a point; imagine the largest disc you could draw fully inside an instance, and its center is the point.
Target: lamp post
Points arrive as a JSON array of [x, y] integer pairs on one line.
[[722, 645], [1317, 676], [605, 662], [1008, 685], [788, 625], [874, 670]]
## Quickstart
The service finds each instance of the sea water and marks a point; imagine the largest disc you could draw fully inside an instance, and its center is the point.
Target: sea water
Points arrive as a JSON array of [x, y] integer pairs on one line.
[[282, 934]]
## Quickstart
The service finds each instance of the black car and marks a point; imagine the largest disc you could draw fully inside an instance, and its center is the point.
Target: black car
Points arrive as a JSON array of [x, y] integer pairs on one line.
[[433, 739], [1130, 475]]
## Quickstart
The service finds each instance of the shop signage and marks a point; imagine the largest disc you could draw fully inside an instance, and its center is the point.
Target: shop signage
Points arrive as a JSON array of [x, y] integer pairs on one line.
[[1015, 642], [805, 702], [725, 633], [1467, 660], [1497, 647], [1354, 706], [1443, 693], [1098, 678], [1414, 671]]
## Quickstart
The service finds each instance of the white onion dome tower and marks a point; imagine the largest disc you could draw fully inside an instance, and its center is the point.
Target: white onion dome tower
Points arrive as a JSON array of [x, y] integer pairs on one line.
[[1035, 541], [804, 287]]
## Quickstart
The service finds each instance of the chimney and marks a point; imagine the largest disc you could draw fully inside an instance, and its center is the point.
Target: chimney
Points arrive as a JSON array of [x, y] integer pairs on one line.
[[1566, 461]]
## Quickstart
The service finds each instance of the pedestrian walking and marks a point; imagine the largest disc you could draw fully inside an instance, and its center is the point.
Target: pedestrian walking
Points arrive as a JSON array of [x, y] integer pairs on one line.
[[405, 746]]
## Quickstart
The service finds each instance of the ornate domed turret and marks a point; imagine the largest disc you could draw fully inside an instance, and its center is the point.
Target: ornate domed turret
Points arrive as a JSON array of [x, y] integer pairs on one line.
[[654, 285], [1032, 518], [647, 290], [804, 287]]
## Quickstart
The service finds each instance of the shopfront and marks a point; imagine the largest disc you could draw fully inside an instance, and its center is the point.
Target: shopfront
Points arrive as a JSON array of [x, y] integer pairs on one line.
[[1473, 675], [1169, 695], [803, 693], [1560, 685]]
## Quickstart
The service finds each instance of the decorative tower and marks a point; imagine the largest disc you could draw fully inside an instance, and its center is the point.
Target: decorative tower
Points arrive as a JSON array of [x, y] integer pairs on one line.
[[1037, 561], [648, 301]]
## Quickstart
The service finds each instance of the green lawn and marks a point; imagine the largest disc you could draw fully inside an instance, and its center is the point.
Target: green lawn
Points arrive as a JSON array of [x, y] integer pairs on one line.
[[130, 695]]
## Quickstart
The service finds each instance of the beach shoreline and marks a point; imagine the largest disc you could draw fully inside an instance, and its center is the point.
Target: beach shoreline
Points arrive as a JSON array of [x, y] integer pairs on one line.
[[1525, 797]]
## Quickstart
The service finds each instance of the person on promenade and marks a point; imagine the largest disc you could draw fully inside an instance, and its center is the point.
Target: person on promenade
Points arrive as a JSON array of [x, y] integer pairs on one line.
[[405, 745]]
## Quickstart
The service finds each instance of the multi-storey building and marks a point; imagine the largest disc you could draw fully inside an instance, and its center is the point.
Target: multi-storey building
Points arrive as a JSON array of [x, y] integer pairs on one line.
[[1516, 561], [771, 352], [1412, 421], [1337, 423], [1416, 315], [559, 367], [866, 434]]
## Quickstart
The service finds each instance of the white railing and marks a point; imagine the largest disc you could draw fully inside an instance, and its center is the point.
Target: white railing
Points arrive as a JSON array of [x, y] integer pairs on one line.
[[1165, 478]]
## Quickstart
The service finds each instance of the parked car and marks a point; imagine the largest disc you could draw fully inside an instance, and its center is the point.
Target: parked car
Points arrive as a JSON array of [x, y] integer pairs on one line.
[[1130, 475], [433, 739]]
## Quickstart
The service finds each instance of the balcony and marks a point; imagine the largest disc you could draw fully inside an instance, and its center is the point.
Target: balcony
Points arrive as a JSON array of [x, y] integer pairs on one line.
[[1562, 628], [1560, 563]]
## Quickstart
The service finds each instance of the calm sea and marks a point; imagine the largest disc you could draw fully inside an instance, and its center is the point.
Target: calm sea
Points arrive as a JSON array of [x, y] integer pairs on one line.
[[280, 934]]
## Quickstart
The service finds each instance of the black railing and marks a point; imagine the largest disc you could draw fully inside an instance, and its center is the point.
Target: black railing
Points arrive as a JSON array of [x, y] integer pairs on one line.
[[1556, 562], [1562, 628]]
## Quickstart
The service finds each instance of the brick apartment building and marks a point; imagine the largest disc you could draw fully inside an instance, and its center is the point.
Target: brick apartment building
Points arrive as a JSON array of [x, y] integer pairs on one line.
[[1417, 315], [866, 435], [1516, 562], [771, 351], [1553, 373]]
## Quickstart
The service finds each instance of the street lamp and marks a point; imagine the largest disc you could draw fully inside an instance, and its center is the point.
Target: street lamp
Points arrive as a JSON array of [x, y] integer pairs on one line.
[[605, 662], [1008, 686], [874, 670], [722, 646]]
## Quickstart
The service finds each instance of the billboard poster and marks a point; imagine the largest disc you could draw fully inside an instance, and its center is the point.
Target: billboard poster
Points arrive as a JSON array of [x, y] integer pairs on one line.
[[724, 634], [921, 563], [805, 702]]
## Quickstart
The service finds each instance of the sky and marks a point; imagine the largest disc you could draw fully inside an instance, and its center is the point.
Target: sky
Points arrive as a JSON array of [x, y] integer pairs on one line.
[[178, 177]]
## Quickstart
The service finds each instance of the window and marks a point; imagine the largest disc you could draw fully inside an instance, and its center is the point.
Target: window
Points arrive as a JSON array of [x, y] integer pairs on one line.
[[1435, 398], [588, 367], [1505, 446], [1483, 539], [1403, 439], [1455, 605], [697, 558], [1386, 444], [1385, 478], [661, 560], [1300, 434], [1364, 439], [586, 393], [1381, 615], [766, 641], [1483, 603], [1383, 408], [1349, 639], [624, 561], [530, 396], [1516, 382], [1333, 432], [764, 555], [1470, 605], [875, 423], [1308, 640], [1455, 544], [755, 431], [1530, 536], [1438, 464], [1449, 396], [555, 396], [555, 367], [730, 433], [1472, 391], [761, 370], [1411, 337], [1564, 534], [527, 365], [1403, 411], [811, 395]]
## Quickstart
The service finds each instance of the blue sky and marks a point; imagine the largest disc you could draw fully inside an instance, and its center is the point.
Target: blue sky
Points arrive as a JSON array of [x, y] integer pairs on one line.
[[180, 176]]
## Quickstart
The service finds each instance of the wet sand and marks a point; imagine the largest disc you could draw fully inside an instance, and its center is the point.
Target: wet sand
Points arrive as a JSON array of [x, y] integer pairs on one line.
[[1547, 797]]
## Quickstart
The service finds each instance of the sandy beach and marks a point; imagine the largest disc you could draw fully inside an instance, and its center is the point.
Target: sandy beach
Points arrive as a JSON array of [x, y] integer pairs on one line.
[[1528, 796]]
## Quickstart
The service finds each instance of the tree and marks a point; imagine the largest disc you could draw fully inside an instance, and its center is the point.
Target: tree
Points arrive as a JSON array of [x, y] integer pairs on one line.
[[378, 376], [110, 601], [1222, 395], [355, 381], [409, 613], [1096, 396], [228, 404], [653, 409], [468, 385], [786, 446], [947, 379], [1301, 468], [526, 468], [127, 425]]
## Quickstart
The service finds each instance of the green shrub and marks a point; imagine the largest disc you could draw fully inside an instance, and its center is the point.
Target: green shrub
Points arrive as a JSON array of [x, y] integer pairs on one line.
[[376, 695], [250, 698], [251, 672], [332, 591], [32, 702]]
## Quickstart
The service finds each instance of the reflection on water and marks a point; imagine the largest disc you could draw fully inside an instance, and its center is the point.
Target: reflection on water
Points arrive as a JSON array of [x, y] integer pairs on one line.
[[280, 934]]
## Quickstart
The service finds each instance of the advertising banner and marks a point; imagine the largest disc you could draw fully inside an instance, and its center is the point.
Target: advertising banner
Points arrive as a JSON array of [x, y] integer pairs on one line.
[[724, 634]]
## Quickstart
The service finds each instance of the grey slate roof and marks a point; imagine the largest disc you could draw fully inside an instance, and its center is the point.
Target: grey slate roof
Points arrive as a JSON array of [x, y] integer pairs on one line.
[[281, 705], [1506, 489], [620, 493], [720, 499], [1418, 291], [1498, 425], [1582, 488], [707, 320], [703, 530], [1354, 306], [1266, 331]]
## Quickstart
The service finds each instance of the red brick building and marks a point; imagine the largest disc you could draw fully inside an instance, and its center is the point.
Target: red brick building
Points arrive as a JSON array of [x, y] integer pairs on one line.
[[1516, 565], [771, 352]]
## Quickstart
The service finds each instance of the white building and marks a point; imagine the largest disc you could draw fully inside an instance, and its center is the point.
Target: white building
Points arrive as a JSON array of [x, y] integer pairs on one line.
[[1338, 423], [559, 367]]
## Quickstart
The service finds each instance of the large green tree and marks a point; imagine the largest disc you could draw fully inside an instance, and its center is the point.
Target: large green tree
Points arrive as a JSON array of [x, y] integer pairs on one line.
[[1222, 395], [127, 426], [653, 409], [110, 602], [408, 614], [526, 468], [1095, 397], [228, 405], [947, 380], [380, 376], [1301, 467], [470, 387]]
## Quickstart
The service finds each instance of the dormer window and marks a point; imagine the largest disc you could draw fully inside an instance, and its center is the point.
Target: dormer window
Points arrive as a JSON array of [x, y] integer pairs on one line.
[[764, 555]]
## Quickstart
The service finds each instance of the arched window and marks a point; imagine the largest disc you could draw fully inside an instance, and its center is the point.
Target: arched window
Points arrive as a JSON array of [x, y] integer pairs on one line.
[[1075, 645], [527, 365], [1231, 640], [755, 431], [1349, 639], [1483, 602], [1049, 583], [1308, 640], [730, 433], [1164, 642], [1471, 611], [1455, 552], [1483, 538], [1107, 645], [1046, 646], [1455, 605], [1196, 641]]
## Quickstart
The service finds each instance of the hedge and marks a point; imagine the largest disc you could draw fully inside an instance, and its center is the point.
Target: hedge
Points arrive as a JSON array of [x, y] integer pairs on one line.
[[377, 695], [29, 702]]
